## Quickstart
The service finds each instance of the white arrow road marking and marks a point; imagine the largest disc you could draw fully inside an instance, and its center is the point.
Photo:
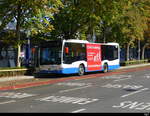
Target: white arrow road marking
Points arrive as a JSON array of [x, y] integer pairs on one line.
[[77, 111], [135, 92]]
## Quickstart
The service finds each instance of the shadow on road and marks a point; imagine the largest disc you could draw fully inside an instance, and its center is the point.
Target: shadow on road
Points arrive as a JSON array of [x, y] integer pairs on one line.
[[54, 76]]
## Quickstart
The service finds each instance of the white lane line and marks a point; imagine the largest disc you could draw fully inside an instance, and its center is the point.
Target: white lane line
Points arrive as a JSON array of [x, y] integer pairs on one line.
[[135, 92], [77, 111], [68, 90], [121, 79], [11, 101]]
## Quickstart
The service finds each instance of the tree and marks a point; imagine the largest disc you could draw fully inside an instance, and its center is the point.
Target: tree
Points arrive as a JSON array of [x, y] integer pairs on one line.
[[86, 17], [33, 15], [146, 41], [69, 21], [133, 23], [123, 21]]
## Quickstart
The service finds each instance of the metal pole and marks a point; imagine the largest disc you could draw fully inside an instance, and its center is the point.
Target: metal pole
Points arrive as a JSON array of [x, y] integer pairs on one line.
[[28, 52]]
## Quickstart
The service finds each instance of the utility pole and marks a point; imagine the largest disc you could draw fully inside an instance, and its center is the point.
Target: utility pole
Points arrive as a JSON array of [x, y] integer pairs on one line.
[[28, 53]]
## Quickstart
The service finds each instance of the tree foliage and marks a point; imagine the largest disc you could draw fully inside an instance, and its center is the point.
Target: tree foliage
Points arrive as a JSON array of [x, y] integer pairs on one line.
[[82, 17], [30, 14], [122, 21], [33, 15]]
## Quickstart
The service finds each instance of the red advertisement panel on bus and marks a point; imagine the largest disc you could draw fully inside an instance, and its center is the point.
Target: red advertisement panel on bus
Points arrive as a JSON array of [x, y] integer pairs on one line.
[[93, 57]]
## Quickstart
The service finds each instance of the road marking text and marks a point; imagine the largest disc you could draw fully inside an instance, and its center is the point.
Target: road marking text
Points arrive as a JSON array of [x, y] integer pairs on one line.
[[133, 105], [74, 84], [124, 86], [15, 95], [72, 100]]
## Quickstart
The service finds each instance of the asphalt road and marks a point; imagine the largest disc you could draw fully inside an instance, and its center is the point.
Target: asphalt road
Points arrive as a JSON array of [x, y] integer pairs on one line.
[[116, 93]]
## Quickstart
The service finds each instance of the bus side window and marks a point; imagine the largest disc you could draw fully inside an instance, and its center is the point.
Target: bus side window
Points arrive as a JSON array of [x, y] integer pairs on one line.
[[77, 52], [109, 52]]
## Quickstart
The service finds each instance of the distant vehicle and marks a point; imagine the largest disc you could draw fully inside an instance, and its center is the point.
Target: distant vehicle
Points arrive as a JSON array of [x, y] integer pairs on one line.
[[75, 56]]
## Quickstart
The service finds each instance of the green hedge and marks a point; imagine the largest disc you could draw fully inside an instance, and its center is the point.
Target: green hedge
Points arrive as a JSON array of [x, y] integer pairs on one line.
[[9, 68], [7, 72], [132, 62], [12, 73]]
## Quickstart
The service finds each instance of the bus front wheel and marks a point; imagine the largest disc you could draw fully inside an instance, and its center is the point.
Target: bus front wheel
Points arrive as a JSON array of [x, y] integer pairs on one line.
[[105, 68], [81, 70]]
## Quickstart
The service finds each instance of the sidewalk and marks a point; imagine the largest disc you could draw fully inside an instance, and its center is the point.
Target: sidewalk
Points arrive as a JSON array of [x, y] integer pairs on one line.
[[16, 82], [4, 79]]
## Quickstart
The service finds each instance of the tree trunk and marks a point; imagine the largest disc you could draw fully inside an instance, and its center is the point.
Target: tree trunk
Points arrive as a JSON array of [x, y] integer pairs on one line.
[[18, 55], [18, 35], [143, 51], [127, 51]]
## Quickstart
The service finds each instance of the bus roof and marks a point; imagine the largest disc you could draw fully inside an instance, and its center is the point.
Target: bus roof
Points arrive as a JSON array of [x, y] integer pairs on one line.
[[85, 41], [76, 41], [110, 44]]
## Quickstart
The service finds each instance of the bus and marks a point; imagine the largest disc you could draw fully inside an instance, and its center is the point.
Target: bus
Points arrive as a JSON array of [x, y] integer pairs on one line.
[[75, 57]]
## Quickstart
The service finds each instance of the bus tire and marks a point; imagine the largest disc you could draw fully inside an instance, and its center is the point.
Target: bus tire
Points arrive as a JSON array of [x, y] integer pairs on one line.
[[105, 68], [81, 70]]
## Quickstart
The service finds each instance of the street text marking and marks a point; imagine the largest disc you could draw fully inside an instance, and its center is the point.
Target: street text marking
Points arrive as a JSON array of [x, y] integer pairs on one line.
[[65, 99], [74, 84], [124, 86], [117, 77], [15, 95], [133, 105]]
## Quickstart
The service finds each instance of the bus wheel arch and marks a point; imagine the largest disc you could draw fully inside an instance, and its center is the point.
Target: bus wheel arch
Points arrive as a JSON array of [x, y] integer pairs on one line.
[[81, 70], [105, 67]]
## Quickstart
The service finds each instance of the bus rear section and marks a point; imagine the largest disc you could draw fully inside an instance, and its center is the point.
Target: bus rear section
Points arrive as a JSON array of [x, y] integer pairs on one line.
[[110, 56]]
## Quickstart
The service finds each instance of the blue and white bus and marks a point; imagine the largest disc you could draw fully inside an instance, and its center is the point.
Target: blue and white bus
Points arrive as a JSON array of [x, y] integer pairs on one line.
[[75, 56]]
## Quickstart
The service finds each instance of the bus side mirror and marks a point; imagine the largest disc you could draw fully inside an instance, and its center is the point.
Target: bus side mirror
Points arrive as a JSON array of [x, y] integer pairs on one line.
[[66, 50]]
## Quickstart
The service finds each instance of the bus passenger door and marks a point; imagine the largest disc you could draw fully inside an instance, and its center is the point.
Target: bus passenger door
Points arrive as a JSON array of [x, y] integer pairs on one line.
[[35, 57], [94, 62]]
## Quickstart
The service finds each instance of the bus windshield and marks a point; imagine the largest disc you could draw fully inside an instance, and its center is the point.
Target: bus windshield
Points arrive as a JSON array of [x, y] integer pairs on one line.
[[50, 54]]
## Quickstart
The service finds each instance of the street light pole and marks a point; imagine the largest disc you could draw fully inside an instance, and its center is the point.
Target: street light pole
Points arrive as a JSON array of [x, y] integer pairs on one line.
[[28, 48]]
